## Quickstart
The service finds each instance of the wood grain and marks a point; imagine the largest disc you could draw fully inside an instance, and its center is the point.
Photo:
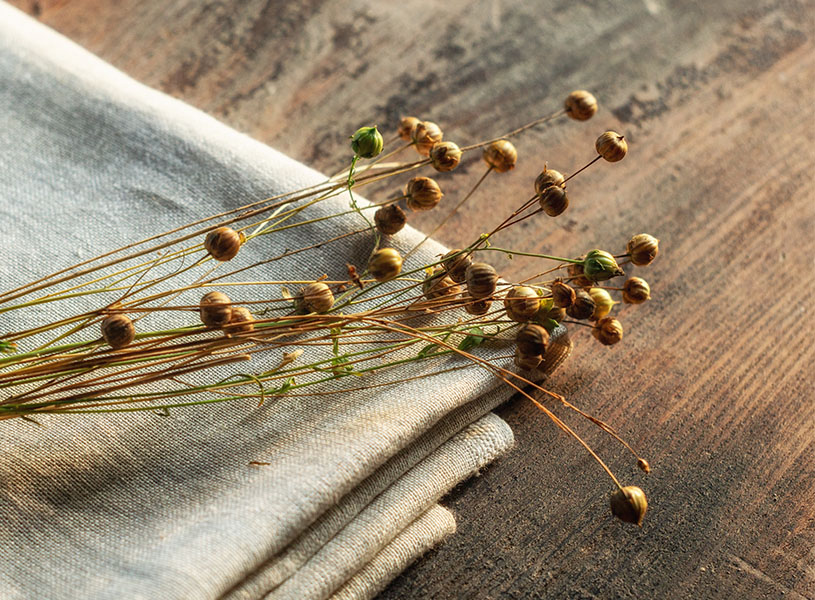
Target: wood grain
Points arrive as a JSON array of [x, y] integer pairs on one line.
[[714, 379]]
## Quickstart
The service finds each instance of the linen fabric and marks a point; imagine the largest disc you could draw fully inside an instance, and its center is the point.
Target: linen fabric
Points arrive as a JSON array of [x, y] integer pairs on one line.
[[136, 505]]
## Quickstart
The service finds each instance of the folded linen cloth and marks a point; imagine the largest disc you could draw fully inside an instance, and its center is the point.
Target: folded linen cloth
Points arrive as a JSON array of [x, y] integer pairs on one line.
[[139, 506]]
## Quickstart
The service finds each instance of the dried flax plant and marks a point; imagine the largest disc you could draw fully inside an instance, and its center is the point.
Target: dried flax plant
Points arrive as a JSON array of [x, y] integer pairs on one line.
[[377, 317]]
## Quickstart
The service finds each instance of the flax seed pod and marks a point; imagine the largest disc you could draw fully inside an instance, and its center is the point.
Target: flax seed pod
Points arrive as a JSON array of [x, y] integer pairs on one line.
[[406, 127], [562, 294], [580, 105], [532, 339], [501, 155], [481, 280], [390, 219], [603, 303], [522, 303], [477, 307], [118, 331], [445, 156], [316, 297], [600, 265], [241, 321], [439, 285], [608, 331], [423, 193], [554, 201], [636, 291], [456, 263], [223, 243], [582, 307], [548, 178], [385, 264], [424, 135], [629, 504], [611, 146], [643, 249], [527, 362], [215, 309]]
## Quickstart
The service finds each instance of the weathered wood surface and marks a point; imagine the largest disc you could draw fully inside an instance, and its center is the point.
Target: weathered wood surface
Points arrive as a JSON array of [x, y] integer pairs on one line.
[[713, 380]]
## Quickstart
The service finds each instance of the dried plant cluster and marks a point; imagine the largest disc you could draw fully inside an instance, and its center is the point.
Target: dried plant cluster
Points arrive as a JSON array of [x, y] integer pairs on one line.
[[324, 333]]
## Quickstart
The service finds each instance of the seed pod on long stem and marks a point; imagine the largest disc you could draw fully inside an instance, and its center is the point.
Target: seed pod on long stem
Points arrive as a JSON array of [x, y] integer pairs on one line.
[[215, 309], [481, 280], [223, 243], [118, 331]]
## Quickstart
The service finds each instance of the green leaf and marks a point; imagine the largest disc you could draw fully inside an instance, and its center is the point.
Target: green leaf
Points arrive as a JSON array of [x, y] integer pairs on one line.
[[475, 337]]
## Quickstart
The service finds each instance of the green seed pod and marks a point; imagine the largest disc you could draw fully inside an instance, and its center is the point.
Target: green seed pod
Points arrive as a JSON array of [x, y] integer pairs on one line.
[[445, 156], [215, 309], [532, 339], [316, 297], [554, 201], [611, 146], [603, 303], [406, 127], [385, 264], [580, 105], [425, 134], [575, 271], [501, 155], [643, 249], [241, 321], [636, 291], [477, 307], [439, 285], [367, 142], [562, 294], [481, 280], [599, 265], [527, 362], [118, 331], [582, 307], [629, 504], [422, 193], [390, 219], [522, 303], [548, 178], [456, 263], [223, 243], [608, 331]]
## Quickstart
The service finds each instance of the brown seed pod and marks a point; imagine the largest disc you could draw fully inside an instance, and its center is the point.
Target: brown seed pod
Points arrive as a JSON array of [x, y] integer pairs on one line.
[[118, 331], [424, 135], [575, 271], [603, 303], [522, 303], [439, 285], [554, 313], [316, 297], [390, 219], [223, 243], [481, 280], [532, 339], [643, 249], [580, 105], [477, 307], [611, 146], [562, 294], [643, 465], [608, 330], [445, 156], [501, 155], [215, 309], [548, 178], [629, 504], [422, 193], [582, 307], [527, 362], [554, 201], [406, 127], [241, 321], [385, 264], [456, 263], [636, 291]]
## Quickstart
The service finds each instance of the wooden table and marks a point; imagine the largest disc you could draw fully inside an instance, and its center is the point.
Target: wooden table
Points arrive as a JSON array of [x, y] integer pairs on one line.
[[713, 380]]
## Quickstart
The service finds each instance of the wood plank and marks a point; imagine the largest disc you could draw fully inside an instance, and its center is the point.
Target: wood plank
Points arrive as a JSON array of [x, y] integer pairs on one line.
[[713, 380]]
